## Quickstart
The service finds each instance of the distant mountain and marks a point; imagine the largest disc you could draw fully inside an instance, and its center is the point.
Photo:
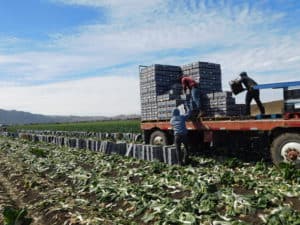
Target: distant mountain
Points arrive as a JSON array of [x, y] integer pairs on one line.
[[19, 117], [10, 117]]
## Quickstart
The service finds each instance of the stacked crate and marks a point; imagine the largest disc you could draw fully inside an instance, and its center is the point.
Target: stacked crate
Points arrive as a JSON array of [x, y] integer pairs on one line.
[[208, 75], [161, 90], [167, 102], [165, 108], [221, 104], [157, 80], [292, 99], [214, 101]]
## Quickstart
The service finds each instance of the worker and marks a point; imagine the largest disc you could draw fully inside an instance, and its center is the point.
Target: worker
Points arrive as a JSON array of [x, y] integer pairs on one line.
[[251, 93], [189, 83], [180, 134]]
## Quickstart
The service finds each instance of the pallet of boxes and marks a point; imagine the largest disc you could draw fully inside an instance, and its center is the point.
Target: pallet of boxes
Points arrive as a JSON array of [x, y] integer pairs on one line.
[[161, 90]]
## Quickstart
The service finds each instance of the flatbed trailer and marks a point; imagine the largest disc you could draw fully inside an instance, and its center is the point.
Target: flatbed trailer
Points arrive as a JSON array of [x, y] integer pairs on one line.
[[275, 136], [265, 135]]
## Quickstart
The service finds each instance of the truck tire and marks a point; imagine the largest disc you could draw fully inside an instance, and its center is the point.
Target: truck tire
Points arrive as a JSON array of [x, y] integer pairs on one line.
[[158, 138], [286, 148]]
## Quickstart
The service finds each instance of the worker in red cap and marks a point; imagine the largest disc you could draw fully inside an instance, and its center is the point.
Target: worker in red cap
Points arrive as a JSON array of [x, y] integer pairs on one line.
[[194, 102]]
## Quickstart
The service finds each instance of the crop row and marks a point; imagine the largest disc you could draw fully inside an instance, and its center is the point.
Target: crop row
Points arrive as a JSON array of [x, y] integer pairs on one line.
[[76, 186], [110, 126]]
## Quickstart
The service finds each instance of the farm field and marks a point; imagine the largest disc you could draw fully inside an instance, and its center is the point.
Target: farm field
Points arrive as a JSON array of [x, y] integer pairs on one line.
[[97, 126], [60, 185]]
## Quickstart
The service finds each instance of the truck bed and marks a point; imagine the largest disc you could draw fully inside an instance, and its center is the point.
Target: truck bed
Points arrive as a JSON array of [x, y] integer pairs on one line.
[[241, 123]]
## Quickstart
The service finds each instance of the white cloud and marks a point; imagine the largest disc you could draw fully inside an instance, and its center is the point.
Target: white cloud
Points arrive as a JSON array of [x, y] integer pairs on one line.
[[239, 37], [137, 37], [94, 96]]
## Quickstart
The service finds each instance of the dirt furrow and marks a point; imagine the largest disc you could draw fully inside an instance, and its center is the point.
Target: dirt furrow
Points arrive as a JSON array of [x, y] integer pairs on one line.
[[5, 201]]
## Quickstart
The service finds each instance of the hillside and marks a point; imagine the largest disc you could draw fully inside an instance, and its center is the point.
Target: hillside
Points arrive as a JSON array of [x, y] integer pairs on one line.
[[11, 117]]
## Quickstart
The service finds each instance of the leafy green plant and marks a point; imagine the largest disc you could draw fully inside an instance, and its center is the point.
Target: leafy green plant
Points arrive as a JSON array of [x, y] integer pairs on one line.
[[38, 152], [96, 188], [227, 178], [158, 167], [283, 216], [289, 171], [260, 167], [97, 126], [232, 163], [16, 216]]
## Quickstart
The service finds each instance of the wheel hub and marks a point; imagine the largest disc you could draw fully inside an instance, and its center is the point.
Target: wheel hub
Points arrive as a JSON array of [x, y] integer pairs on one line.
[[291, 152], [158, 140]]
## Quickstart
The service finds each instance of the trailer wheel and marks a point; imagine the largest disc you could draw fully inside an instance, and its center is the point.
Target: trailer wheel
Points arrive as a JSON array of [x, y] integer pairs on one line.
[[286, 148], [158, 138]]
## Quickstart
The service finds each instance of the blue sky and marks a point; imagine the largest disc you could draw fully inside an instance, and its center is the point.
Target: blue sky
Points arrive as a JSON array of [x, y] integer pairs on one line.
[[50, 48], [37, 19]]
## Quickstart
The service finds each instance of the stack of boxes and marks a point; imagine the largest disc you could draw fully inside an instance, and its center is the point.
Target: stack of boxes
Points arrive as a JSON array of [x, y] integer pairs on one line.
[[292, 99], [156, 81], [221, 104], [208, 75], [161, 90]]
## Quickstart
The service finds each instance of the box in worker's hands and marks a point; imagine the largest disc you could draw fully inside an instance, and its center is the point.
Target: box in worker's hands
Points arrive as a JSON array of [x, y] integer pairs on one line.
[[236, 86]]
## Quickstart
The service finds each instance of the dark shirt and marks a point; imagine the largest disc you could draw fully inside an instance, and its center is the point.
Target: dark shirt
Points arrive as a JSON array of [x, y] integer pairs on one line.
[[248, 82]]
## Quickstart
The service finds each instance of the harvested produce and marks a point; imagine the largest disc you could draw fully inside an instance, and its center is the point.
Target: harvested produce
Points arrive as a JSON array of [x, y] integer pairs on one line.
[[59, 185]]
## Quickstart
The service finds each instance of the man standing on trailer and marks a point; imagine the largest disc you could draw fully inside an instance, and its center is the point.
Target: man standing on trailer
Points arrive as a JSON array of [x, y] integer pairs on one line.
[[251, 93], [193, 86], [180, 134]]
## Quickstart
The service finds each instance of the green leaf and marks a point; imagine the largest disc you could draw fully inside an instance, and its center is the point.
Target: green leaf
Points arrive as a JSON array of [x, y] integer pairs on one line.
[[187, 218], [15, 217]]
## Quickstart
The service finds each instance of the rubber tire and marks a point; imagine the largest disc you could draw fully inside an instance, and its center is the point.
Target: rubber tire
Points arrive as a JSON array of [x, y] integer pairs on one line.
[[277, 144], [156, 134]]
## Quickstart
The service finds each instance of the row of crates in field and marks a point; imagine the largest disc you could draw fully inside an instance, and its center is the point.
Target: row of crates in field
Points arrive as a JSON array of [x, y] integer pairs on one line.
[[166, 154]]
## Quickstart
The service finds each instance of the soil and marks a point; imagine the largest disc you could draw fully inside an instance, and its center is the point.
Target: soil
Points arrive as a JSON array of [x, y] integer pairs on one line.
[[181, 194], [5, 201], [15, 193], [135, 179], [242, 191], [252, 219], [295, 202]]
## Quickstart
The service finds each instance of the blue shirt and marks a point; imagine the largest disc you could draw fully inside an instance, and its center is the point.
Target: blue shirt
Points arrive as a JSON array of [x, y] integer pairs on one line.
[[178, 122]]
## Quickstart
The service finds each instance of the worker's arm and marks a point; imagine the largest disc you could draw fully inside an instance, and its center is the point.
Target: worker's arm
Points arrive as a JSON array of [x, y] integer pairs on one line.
[[184, 84], [184, 89], [241, 81], [187, 114]]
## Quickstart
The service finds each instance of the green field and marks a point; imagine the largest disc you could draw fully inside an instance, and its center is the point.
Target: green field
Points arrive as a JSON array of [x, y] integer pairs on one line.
[[97, 126]]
